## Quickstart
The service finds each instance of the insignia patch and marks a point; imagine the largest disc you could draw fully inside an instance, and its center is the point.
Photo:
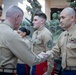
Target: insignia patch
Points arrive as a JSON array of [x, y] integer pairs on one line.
[[49, 44]]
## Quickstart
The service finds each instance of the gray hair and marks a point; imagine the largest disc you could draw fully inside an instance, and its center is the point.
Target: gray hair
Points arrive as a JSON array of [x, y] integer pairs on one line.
[[13, 11], [71, 11]]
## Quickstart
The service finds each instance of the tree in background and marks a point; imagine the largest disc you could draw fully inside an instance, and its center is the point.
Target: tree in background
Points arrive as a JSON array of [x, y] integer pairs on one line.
[[35, 7], [72, 3], [54, 26]]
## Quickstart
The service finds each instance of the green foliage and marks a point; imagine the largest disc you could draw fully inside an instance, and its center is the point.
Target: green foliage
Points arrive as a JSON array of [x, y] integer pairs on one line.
[[73, 4], [70, 0], [28, 8], [55, 16], [54, 27]]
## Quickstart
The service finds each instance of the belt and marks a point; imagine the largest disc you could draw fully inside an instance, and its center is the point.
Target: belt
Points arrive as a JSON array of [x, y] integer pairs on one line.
[[70, 68], [8, 70]]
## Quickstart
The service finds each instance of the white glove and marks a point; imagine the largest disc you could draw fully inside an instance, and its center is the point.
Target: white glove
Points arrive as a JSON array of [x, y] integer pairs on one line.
[[50, 53], [43, 55], [46, 73]]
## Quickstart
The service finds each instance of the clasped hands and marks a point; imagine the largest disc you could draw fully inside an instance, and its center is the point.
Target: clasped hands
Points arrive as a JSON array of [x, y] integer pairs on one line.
[[44, 55]]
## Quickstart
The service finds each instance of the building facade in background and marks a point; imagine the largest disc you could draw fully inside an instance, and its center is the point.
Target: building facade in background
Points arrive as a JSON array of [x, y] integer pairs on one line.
[[48, 6]]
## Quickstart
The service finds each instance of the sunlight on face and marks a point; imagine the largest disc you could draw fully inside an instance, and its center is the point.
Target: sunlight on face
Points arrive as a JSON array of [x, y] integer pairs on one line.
[[65, 20], [37, 22]]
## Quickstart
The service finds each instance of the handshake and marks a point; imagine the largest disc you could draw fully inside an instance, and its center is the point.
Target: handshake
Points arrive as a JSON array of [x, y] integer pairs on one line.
[[44, 55]]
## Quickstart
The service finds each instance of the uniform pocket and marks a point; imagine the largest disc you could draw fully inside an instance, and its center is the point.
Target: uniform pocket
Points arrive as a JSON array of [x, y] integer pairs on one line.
[[71, 45], [37, 41]]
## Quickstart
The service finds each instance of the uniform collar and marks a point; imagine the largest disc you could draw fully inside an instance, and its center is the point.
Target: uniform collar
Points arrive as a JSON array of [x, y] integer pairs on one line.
[[40, 29], [8, 24], [71, 30]]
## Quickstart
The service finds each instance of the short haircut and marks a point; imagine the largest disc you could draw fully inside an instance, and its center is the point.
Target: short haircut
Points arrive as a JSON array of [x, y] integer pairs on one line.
[[1, 8], [23, 29], [71, 11], [42, 15], [13, 11]]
